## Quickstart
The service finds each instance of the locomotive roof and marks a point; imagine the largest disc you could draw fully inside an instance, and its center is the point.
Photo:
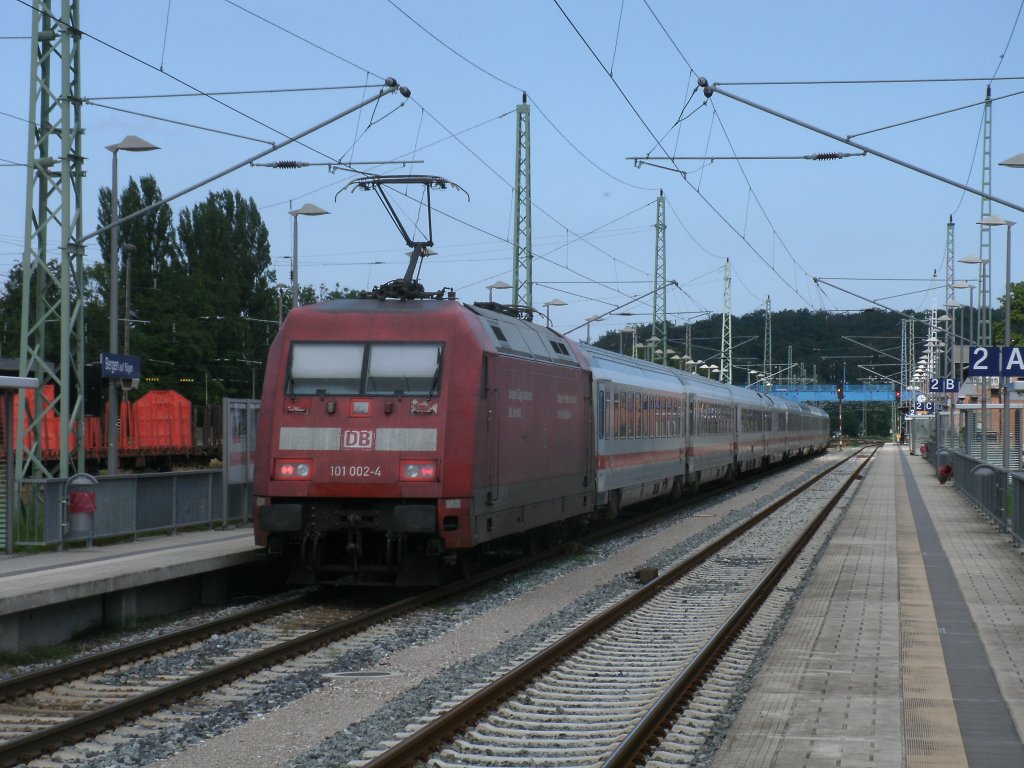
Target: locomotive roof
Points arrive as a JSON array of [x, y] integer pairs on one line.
[[510, 335], [521, 338]]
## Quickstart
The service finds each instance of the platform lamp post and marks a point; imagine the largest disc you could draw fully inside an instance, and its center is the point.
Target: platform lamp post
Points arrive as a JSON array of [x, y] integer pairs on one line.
[[306, 210], [129, 143], [498, 286], [959, 285], [975, 259], [998, 221], [547, 309], [1017, 161], [128, 250], [280, 288]]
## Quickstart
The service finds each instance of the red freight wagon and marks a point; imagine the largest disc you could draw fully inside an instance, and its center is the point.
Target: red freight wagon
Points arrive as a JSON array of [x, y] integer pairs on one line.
[[161, 423]]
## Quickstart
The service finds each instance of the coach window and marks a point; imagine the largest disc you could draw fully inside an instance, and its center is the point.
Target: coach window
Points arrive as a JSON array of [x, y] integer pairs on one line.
[[329, 369]]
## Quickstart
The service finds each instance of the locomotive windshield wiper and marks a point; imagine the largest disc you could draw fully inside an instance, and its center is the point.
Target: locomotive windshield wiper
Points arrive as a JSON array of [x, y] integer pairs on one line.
[[437, 377]]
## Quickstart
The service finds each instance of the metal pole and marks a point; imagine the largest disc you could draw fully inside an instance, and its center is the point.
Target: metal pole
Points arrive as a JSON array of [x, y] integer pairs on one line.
[[295, 260], [113, 407], [1006, 343], [128, 296], [841, 408]]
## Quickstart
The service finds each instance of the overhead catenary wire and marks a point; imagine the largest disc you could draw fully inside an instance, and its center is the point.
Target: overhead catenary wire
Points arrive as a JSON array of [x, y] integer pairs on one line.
[[451, 133], [199, 91], [643, 122], [178, 122]]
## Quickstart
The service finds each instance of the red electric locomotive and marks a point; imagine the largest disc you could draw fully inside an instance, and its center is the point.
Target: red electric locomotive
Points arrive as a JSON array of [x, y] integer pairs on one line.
[[397, 436], [403, 432]]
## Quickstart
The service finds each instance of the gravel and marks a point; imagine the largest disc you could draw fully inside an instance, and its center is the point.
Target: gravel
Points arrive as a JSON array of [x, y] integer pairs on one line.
[[320, 716]]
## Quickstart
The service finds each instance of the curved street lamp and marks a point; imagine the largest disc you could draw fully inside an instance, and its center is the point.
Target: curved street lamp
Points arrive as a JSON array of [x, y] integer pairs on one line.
[[129, 143], [306, 210]]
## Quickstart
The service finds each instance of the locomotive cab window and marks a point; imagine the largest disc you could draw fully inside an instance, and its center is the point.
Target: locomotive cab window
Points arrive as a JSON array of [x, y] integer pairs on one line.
[[407, 369], [335, 368], [325, 369]]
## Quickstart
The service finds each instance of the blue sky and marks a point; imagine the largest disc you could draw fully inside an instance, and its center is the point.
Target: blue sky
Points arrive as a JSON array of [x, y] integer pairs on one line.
[[871, 227]]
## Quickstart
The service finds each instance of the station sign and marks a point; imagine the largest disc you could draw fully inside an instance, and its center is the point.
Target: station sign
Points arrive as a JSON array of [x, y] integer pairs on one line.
[[996, 361], [120, 366], [944, 384]]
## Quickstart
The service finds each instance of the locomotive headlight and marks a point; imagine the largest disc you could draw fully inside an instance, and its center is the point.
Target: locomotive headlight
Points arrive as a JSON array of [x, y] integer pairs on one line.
[[293, 469], [418, 471]]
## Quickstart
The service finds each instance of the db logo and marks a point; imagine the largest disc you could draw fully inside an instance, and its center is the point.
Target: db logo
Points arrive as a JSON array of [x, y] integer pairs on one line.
[[357, 438]]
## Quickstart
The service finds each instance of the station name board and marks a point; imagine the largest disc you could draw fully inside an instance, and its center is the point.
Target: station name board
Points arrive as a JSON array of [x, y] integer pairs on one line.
[[120, 366]]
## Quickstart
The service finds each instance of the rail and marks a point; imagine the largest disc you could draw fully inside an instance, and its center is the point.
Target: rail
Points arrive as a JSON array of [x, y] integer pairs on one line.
[[414, 747]]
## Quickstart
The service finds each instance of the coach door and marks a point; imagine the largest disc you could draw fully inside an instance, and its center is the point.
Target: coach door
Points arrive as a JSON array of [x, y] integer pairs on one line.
[[492, 435]]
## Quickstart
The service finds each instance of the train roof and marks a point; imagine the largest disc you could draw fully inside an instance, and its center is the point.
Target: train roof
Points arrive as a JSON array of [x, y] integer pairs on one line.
[[520, 338], [509, 334]]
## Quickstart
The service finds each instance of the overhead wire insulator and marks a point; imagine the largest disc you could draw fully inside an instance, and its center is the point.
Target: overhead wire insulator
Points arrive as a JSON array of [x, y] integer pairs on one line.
[[828, 155]]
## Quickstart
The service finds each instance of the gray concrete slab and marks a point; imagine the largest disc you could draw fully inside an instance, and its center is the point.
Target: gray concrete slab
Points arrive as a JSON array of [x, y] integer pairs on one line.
[[48, 597], [907, 647], [32, 581]]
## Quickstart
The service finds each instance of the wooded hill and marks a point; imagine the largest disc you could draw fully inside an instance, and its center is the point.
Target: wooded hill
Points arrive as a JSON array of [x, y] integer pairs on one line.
[[868, 342]]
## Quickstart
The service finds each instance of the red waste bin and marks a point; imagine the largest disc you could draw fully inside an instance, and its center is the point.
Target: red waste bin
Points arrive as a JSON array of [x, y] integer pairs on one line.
[[81, 506]]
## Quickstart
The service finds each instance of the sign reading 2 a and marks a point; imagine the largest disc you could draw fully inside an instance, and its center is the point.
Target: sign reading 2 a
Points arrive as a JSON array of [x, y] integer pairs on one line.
[[995, 361]]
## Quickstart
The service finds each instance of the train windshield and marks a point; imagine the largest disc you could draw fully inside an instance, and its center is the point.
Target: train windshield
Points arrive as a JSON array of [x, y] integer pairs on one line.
[[410, 369], [341, 368]]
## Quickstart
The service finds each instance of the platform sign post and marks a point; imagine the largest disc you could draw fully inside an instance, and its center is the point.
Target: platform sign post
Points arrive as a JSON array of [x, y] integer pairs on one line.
[[127, 368], [1004, 362]]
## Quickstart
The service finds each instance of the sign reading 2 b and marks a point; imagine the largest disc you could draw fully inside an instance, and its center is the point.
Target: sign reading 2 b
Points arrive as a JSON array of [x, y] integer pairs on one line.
[[995, 361]]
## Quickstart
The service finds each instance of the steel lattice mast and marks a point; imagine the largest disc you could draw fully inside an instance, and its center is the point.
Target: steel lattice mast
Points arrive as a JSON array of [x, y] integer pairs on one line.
[[522, 244], [766, 363], [52, 294], [950, 295], [725, 374], [659, 323], [985, 249]]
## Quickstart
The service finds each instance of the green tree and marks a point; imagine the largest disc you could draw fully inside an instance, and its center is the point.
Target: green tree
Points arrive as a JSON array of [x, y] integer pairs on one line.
[[149, 254], [229, 318]]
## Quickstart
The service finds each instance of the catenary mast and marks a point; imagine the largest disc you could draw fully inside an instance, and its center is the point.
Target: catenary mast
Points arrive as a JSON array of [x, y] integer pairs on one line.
[[52, 317], [522, 244], [659, 323]]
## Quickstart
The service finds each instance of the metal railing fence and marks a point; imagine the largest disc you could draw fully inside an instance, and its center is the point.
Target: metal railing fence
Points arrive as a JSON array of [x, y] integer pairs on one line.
[[985, 487], [127, 506]]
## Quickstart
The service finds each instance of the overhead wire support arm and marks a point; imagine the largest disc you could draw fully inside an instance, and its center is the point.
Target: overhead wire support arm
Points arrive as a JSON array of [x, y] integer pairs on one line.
[[645, 160], [712, 88], [390, 86], [620, 306], [332, 166]]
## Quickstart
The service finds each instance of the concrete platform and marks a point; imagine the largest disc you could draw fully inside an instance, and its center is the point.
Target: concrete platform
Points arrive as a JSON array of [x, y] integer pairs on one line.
[[47, 598], [906, 648]]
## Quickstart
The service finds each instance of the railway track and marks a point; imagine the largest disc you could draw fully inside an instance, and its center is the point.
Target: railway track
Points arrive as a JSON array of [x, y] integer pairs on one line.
[[604, 692], [42, 711]]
